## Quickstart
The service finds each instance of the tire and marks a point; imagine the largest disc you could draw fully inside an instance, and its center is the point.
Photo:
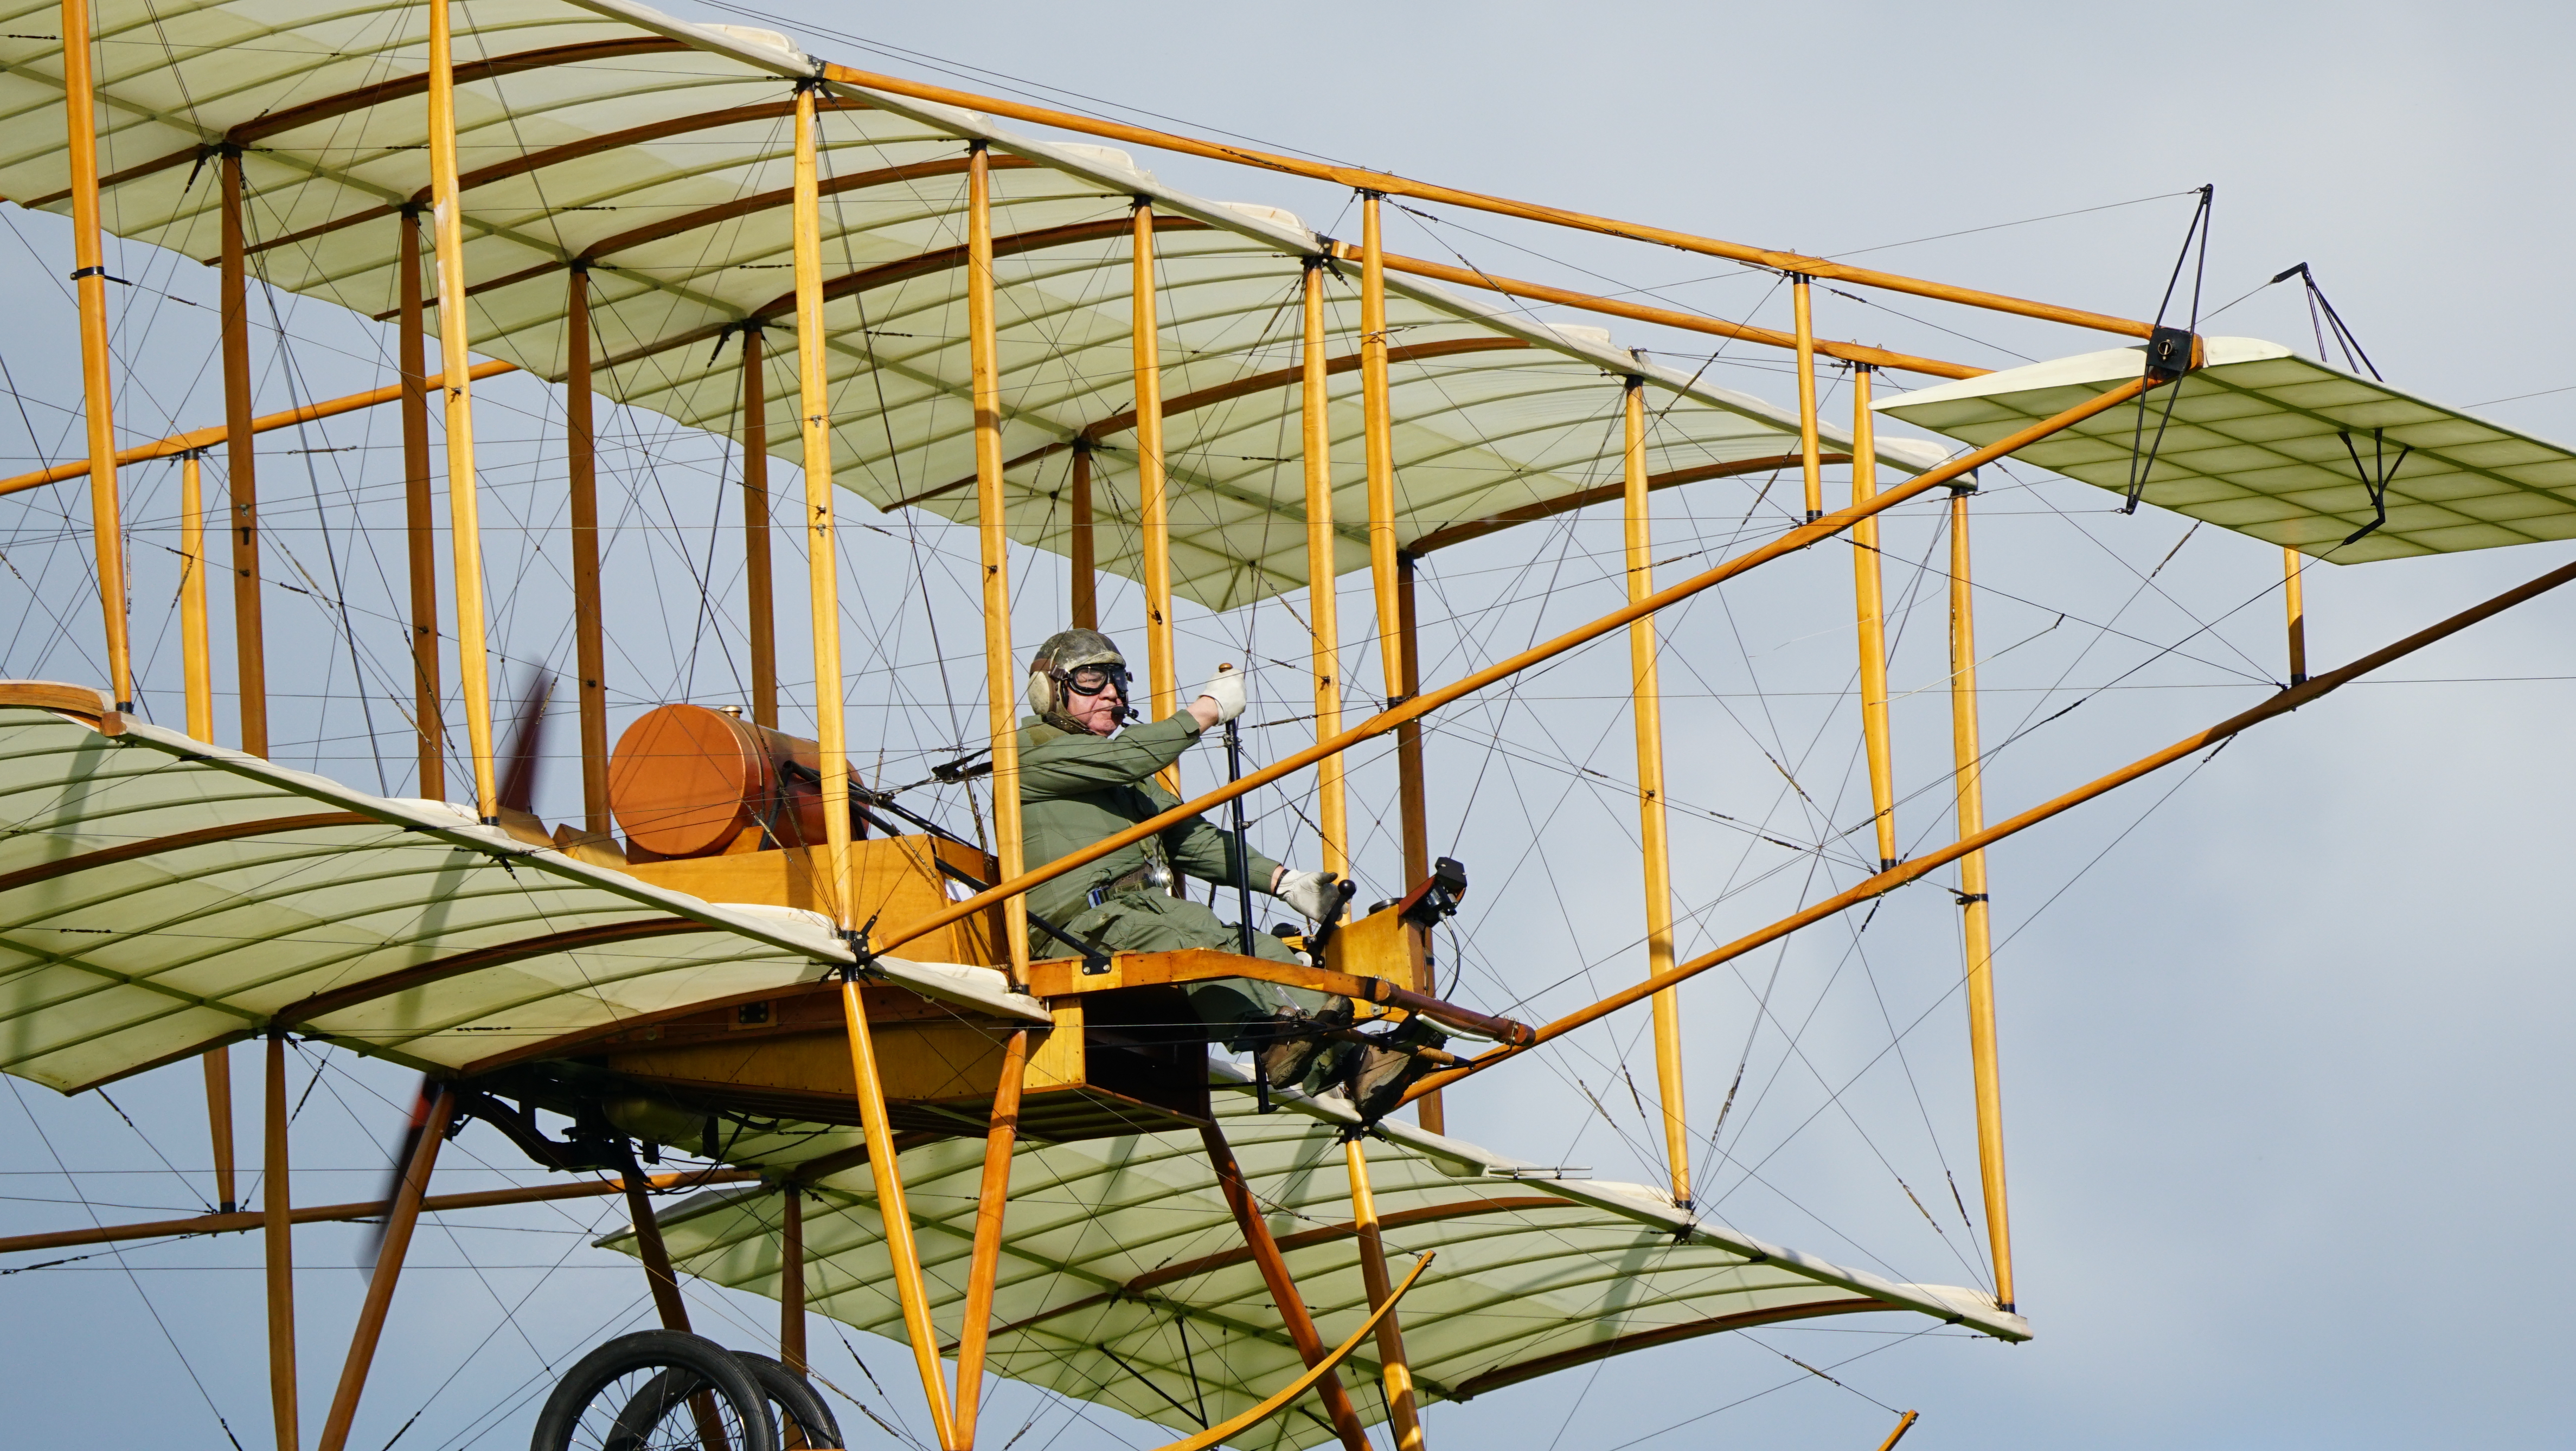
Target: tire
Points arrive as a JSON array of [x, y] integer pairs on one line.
[[647, 1392], [804, 1423]]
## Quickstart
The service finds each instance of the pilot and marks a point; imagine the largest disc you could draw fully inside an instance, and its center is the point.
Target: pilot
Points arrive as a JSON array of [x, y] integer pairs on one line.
[[1083, 778]]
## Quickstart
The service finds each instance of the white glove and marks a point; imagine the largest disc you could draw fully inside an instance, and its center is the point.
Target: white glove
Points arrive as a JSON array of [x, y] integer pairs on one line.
[[1225, 688], [1309, 894]]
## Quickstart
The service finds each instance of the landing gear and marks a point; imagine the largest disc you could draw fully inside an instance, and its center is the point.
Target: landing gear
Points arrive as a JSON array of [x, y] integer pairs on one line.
[[665, 1390]]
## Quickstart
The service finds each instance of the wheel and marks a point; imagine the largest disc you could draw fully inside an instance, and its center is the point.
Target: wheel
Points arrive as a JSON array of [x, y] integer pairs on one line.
[[657, 1390], [804, 1423]]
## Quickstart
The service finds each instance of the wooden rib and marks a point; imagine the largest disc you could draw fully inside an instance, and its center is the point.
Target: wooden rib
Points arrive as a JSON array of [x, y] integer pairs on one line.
[[944, 259], [556, 155], [687, 222], [179, 443], [1227, 392], [339, 999], [1466, 529], [179, 841], [238, 1222], [1661, 316], [1499, 1377], [278, 123]]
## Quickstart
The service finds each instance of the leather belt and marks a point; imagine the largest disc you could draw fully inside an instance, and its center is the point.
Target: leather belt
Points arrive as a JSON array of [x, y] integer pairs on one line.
[[1152, 876]]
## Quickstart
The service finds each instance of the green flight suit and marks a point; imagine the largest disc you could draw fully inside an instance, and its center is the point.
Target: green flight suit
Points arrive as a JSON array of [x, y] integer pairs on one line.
[[1076, 788]]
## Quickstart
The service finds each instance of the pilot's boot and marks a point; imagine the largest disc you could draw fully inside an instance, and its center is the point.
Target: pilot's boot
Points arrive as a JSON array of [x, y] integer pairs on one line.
[[1379, 1074], [1293, 1038]]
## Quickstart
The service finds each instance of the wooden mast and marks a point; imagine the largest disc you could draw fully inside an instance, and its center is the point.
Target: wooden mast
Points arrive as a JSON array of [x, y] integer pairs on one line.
[[1809, 461], [1153, 485], [217, 1062], [277, 1249], [241, 481], [1975, 929], [1646, 704], [465, 531], [419, 526], [590, 651], [89, 280], [760, 602], [1870, 602], [1322, 606], [1397, 1370]]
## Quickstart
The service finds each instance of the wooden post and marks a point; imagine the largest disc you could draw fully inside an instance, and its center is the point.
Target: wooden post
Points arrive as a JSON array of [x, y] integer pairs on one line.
[[465, 530], [1412, 802], [590, 651], [1870, 601], [1086, 563], [655, 1257], [755, 531], [1002, 675], [2292, 566], [791, 1276], [218, 1062], [419, 526], [1331, 807], [992, 1197], [1809, 459], [822, 537], [241, 460], [89, 282], [400, 1218], [1378, 423], [1974, 925], [1153, 486], [194, 652], [277, 1245], [1283, 1290], [1646, 704], [902, 1250], [1398, 1372]]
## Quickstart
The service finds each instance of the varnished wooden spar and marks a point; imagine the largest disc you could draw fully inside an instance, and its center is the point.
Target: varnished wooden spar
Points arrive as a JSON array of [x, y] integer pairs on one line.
[[179, 443], [903, 1250], [1427, 701], [198, 665], [464, 520], [2293, 564], [822, 532], [391, 1250], [1653, 831], [1389, 184], [1919, 867], [1323, 606], [1377, 419], [791, 1276], [277, 1248], [760, 603], [89, 283], [420, 545], [1153, 483], [1975, 923], [1397, 1371], [1002, 675], [240, 1222], [1870, 608], [241, 462], [1802, 304], [1083, 563], [1283, 1288], [581, 469], [992, 1198]]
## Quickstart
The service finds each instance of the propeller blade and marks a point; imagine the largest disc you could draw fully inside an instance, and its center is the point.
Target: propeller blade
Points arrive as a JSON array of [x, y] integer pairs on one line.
[[519, 762]]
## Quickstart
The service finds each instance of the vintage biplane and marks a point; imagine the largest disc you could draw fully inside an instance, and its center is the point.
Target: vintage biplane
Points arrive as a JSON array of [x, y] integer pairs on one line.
[[922, 1111]]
